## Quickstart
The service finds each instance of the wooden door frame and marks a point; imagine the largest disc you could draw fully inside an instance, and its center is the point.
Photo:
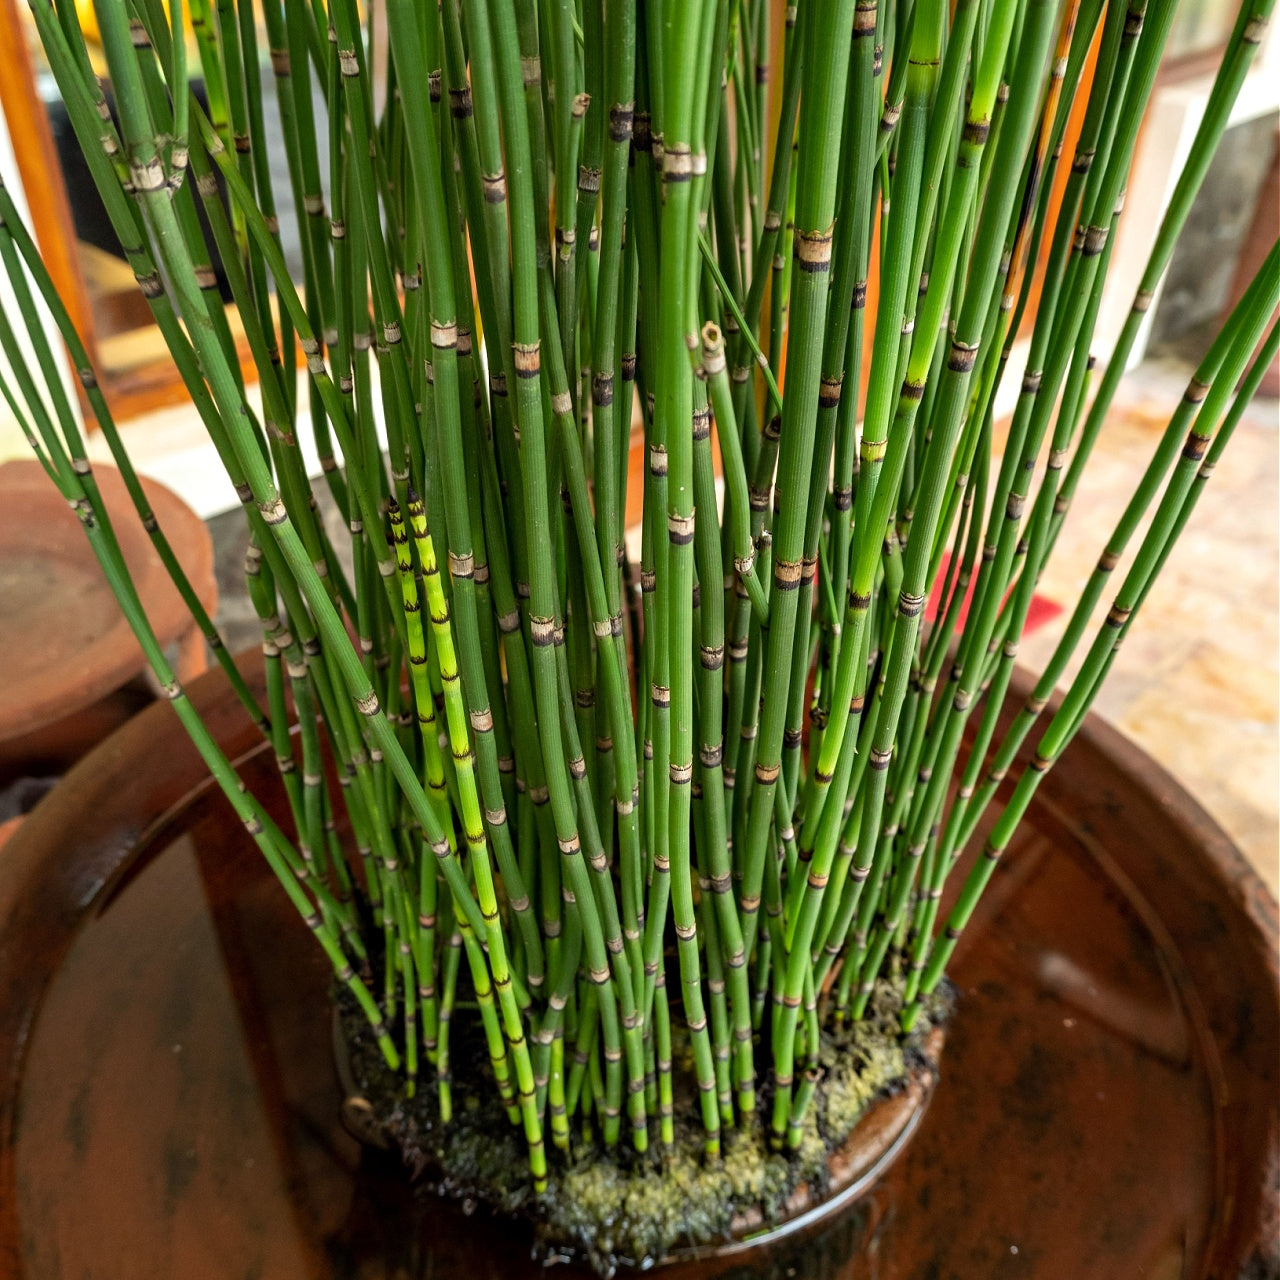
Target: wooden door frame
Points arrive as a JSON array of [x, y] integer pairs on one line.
[[38, 168]]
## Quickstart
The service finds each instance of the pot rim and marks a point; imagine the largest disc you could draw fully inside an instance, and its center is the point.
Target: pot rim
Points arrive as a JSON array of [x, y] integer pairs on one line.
[[115, 655]]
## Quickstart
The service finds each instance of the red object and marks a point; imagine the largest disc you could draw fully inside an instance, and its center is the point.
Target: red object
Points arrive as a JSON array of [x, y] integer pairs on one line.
[[1042, 610]]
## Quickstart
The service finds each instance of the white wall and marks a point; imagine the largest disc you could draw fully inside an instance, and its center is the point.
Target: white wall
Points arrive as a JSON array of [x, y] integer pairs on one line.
[[1172, 120]]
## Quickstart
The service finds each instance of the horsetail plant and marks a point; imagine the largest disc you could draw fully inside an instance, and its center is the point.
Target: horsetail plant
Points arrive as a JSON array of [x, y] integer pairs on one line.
[[663, 806]]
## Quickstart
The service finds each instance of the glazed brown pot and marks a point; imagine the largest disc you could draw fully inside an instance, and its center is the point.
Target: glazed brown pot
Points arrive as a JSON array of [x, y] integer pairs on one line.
[[72, 668], [168, 1104]]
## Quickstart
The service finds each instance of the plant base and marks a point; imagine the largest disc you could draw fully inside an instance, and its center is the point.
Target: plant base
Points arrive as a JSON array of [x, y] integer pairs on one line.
[[618, 1208]]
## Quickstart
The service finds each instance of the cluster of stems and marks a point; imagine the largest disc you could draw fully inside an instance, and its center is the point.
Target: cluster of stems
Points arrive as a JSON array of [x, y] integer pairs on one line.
[[676, 798]]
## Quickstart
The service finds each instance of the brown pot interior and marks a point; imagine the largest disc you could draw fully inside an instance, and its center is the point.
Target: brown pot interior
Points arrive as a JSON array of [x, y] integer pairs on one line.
[[168, 1104]]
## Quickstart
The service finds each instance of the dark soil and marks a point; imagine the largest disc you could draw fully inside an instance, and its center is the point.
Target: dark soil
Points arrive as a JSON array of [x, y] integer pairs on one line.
[[619, 1208]]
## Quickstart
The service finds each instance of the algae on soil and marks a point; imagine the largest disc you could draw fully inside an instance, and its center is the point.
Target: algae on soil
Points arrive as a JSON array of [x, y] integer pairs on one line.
[[621, 1207]]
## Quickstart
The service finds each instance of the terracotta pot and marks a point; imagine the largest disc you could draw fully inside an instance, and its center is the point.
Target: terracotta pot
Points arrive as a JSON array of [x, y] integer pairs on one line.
[[169, 1107], [71, 665]]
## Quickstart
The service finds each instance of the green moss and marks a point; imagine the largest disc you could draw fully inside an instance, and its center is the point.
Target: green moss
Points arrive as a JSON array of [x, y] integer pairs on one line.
[[619, 1207]]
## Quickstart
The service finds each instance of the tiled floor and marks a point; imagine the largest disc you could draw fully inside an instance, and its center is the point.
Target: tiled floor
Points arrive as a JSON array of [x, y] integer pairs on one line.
[[1197, 685]]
